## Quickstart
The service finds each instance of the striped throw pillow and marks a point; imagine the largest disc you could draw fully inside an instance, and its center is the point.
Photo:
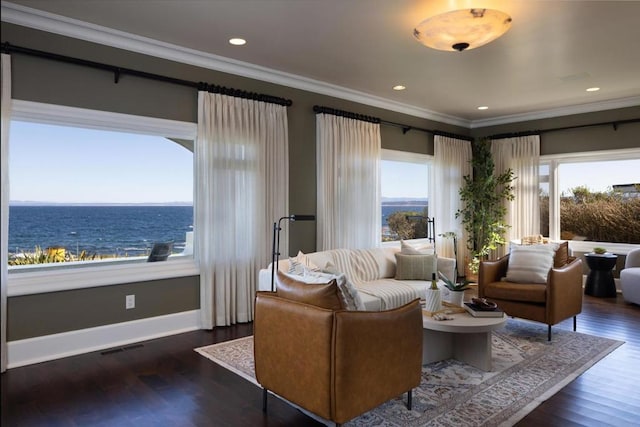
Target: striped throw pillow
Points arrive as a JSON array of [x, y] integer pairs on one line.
[[301, 265], [415, 267], [530, 264]]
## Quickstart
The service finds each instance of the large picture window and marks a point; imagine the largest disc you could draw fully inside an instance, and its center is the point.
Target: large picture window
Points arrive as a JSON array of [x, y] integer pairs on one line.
[[92, 192], [85, 194], [404, 182], [591, 198]]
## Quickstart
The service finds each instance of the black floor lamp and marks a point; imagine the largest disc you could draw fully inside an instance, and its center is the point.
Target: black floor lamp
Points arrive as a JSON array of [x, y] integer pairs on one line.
[[275, 253]]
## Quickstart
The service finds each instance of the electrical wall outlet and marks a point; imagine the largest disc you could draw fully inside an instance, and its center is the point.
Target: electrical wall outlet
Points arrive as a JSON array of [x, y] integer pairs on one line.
[[130, 302]]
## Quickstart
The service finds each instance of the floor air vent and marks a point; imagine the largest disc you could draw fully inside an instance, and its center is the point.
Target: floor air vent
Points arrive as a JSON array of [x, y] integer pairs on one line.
[[121, 349]]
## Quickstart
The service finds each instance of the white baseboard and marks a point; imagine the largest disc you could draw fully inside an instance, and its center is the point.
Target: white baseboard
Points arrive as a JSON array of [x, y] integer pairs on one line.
[[56, 346]]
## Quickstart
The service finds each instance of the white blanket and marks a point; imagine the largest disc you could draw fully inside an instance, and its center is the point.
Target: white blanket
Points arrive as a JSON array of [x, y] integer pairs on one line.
[[392, 293]]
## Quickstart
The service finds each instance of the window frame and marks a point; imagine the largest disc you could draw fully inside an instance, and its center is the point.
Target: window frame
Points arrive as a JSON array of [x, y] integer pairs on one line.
[[92, 274], [554, 161], [409, 157]]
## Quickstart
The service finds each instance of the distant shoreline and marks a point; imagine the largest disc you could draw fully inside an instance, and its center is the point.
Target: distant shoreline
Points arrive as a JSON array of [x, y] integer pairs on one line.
[[52, 204]]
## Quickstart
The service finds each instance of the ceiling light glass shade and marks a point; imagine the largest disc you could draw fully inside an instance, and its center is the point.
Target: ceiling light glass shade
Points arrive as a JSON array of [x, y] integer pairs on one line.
[[462, 29]]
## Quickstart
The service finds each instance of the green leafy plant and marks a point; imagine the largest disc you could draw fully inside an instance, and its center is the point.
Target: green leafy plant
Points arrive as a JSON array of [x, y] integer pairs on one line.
[[48, 256], [483, 196], [598, 250], [452, 286]]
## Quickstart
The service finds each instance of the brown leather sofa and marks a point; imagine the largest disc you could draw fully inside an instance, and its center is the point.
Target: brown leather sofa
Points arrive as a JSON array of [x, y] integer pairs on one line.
[[335, 363], [550, 303]]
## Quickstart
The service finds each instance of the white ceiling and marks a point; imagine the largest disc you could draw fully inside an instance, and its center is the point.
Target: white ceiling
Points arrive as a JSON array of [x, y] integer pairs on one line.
[[540, 67]]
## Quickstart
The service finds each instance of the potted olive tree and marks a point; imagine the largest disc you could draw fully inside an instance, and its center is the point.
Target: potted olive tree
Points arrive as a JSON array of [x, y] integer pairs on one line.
[[483, 196]]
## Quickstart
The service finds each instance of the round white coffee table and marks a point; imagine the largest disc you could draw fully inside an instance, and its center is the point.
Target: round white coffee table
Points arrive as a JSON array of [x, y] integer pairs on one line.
[[465, 338]]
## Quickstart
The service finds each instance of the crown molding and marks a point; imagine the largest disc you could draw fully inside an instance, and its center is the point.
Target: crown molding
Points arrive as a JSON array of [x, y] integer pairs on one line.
[[613, 104], [45, 21]]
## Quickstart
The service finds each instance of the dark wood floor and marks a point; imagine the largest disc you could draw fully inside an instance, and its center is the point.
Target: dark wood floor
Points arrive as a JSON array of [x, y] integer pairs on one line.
[[164, 382]]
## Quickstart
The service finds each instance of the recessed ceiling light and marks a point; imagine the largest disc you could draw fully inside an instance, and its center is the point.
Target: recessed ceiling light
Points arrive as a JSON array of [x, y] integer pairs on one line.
[[593, 89], [399, 87], [483, 107], [237, 41]]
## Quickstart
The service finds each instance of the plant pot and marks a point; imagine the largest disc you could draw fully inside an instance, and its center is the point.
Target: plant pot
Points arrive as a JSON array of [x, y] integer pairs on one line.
[[456, 297], [433, 300]]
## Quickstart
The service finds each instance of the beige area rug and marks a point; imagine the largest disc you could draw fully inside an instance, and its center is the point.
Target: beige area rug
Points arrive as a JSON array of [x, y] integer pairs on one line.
[[527, 371]]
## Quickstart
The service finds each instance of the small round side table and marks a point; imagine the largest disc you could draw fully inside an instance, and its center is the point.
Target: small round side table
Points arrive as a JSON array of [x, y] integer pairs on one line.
[[600, 281]]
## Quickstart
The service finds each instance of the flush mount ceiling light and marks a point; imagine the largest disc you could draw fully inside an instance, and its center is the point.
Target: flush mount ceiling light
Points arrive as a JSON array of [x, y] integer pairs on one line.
[[236, 41], [463, 29], [399, 87]]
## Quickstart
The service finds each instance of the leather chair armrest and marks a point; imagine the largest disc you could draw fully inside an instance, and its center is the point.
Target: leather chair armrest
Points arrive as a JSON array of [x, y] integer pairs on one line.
[[564, 291], [491, 271], [293, 351], [378, 356]]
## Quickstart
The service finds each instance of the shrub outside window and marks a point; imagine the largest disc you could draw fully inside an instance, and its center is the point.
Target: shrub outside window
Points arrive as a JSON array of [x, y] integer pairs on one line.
[[592, 199], [404, 179]]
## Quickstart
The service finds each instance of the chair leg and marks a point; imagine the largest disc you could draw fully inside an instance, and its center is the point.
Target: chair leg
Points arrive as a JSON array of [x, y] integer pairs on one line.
[[264, 400], [575, 321], [549, 333], [409, 399]]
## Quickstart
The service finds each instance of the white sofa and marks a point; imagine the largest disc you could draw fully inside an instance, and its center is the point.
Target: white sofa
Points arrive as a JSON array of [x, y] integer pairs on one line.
[[630, 277], [372, 272]]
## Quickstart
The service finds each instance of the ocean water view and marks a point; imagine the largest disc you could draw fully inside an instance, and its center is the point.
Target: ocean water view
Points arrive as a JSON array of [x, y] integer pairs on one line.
[[113, 230], [102, 230]]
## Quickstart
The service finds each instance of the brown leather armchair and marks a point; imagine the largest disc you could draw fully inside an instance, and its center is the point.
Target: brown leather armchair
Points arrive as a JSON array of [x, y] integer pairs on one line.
[[336, 364], [550, 303]]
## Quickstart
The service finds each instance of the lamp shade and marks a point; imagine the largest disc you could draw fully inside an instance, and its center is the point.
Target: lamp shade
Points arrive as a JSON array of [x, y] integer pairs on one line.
[[463, 29]]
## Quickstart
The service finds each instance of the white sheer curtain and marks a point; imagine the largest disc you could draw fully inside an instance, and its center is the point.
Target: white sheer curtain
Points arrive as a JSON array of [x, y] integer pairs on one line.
[[242, 185], [451, 163], [522, 155], [4, 203], [348, 174]]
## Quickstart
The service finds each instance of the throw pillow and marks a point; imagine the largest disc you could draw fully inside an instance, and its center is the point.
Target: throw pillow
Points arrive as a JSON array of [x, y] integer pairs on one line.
[[301, 264], [330, 268], [350, 297], [347, 293], [530, 264], [415, 267], [424, 249], [324, 295], [561, 256]]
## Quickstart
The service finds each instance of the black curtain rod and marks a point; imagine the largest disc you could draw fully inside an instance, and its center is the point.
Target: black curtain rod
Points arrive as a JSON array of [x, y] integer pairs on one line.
[[119, 71], [405, 128], [327, 110], [539, 132]]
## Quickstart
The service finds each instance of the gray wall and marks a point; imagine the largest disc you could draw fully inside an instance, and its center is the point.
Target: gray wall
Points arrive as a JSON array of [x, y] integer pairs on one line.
[[50, 313], [579, 139]]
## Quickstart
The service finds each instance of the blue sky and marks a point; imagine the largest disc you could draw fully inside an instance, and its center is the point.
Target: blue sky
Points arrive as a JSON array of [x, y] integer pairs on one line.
[[403, 179], [55, 164], [399, 178], [599, 176]]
